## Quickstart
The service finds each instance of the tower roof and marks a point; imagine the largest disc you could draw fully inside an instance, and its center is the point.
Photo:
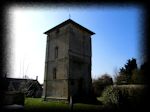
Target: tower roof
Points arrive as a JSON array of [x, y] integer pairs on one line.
[[67, 22]]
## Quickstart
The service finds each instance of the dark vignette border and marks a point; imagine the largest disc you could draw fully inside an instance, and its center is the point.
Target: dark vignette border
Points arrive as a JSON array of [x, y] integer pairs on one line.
[[4, 42]]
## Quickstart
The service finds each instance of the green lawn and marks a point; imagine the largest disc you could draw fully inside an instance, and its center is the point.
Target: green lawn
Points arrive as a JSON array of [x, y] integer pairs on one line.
[[37, 104]]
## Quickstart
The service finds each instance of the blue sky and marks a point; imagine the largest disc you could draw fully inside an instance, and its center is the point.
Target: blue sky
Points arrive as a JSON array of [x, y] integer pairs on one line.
[[117, 36]]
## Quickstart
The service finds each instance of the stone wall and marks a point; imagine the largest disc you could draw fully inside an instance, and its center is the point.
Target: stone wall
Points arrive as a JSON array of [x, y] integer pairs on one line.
[[73, 63], [79, 61], [10, 98], [57, 87]]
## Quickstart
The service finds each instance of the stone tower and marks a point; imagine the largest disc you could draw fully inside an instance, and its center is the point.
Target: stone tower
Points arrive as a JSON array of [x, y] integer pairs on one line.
[[68, 61]]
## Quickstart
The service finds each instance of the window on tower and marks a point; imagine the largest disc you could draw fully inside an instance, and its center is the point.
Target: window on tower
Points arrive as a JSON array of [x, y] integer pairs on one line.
[[54, 73], [56, 52]]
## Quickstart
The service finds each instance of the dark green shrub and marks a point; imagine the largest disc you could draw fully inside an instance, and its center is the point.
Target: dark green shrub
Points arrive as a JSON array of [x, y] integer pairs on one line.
[[133, 94]]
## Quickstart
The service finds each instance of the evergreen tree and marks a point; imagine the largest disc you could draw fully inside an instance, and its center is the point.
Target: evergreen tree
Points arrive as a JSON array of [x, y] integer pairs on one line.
[[126, 72]]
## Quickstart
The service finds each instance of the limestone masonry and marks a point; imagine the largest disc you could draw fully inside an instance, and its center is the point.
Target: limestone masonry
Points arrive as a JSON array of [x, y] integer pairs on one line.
[[67, 61]]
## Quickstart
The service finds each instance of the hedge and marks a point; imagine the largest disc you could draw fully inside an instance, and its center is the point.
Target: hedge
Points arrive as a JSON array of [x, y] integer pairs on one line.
[[123, 95]]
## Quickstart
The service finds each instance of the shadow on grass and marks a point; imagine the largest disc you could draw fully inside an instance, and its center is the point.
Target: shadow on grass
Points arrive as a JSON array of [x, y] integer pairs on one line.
[[89, 100]]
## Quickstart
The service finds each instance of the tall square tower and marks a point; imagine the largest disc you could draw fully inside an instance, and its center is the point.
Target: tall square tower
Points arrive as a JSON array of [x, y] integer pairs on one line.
[[68, 61]]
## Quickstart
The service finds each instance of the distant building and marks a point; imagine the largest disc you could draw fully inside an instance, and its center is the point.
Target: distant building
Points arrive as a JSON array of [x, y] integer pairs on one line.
[[31, 87], [68, 62]]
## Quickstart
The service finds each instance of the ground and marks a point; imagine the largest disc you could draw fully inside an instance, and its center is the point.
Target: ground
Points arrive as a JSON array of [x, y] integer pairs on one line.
[[37, 104]]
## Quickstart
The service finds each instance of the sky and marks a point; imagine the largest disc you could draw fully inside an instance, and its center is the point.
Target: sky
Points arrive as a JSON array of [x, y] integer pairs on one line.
[[116, 39]]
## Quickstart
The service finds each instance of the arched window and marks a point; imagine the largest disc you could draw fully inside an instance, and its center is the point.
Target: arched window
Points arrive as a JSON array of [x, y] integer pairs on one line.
[[54, 73], [56, 52]]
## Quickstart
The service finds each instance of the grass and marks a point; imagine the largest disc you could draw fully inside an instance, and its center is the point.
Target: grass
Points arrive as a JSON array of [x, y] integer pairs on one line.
[[37, 104]]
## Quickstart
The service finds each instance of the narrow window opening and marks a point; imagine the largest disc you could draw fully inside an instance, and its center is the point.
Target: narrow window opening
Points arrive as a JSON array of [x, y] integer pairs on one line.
[[56, 52], [54, 73]]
